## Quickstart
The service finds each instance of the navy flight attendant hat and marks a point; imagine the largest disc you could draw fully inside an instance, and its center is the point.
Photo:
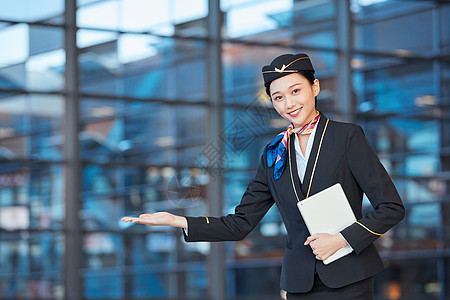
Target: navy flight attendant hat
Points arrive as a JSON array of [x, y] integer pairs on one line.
[[284, 65]]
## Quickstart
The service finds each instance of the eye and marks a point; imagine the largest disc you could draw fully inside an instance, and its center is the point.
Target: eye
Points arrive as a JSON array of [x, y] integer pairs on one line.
[[296, 91], [277, 98]]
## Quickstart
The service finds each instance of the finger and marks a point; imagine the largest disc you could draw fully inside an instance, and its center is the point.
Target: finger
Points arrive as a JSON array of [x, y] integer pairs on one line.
[[317, 257], [127, 219], [145, 215], [310, 239], [136, 220]]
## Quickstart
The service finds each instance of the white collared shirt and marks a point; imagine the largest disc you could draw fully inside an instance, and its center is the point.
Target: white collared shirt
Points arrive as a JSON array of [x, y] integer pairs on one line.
[[302, 160]]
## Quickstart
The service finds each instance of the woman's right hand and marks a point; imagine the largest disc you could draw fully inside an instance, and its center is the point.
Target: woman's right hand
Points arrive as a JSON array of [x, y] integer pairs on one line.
[[158, 219]]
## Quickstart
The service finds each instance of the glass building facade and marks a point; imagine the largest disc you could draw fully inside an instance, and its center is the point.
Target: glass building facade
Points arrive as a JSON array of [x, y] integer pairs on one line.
[[111, 108]]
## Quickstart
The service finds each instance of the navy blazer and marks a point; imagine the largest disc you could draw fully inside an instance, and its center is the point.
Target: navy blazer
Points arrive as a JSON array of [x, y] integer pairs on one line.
[[345, 157]]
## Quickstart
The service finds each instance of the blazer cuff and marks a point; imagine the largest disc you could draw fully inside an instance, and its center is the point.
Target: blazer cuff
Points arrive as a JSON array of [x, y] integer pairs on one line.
[[346, 241], [358, 237], [194, 225]]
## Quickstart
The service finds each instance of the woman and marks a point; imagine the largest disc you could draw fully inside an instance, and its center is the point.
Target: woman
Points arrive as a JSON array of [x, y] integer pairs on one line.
[[321, 152]]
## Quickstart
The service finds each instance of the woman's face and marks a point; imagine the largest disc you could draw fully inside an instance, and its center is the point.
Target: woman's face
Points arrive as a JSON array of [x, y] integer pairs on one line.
[[293, 97]]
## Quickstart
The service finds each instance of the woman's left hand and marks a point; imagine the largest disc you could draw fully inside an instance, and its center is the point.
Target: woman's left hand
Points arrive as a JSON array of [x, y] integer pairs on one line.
[[324, 245]]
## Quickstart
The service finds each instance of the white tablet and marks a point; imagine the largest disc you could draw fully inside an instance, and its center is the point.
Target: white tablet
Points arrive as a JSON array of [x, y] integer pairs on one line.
[[328, 212]]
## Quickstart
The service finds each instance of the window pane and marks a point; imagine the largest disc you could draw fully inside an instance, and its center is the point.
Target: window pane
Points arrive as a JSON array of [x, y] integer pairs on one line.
[[144, 66], [31, 196], [124, 131], [180, 17], [416, 278], [381, 26], [31, 265], [394, 84], [30, 10], [32, 58], [287, 22], [31, 126]]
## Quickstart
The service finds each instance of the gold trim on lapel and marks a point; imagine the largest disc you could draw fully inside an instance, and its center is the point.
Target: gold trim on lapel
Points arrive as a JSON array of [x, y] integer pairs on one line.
[[297, 184], [312, 156]]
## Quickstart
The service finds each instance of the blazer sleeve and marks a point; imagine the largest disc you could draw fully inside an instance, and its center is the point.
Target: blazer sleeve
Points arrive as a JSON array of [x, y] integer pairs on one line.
[[254, 204], [379, 189]]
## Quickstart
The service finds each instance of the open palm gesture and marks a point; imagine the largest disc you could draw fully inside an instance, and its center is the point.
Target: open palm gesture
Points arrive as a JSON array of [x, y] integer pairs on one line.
[[158, 219]]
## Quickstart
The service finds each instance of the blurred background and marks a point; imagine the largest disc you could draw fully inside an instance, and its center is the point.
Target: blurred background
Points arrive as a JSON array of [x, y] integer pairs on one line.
[[111, 108]]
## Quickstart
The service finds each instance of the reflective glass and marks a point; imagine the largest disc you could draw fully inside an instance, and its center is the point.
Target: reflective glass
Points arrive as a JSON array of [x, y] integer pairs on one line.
[[245, 134], [269, 236], [179, 17], [131, 191], [151, 258], [397, 135], [102, 257], [253, 280], [15, 44], [444, 18], [30, 126], [87, 38], [31, 10], [420, 230], [381, 26], [31, 265], [32, 57], [420, 189], [144, 66], [123, 131], [445, 88], [31, 196], [416, 278], [103, 284], [394, 84], [147, 284], [287, 22], [46, 188], [197, 282]]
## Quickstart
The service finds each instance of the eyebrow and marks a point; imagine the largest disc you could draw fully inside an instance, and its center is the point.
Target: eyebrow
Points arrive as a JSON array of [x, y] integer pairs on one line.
[[298, 83]]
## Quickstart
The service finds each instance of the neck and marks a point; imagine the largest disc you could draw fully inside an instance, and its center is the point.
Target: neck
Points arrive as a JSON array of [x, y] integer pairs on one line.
[[312, 116]]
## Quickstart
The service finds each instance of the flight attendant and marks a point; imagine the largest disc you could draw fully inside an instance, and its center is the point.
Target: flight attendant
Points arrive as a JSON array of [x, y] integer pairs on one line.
[[313, 154]]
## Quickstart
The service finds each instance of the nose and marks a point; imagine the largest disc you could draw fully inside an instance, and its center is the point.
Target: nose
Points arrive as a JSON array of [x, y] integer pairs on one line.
[[289, 102]]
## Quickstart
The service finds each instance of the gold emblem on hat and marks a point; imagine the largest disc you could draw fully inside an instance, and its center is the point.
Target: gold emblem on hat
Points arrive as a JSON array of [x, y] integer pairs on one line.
[[283, 68]]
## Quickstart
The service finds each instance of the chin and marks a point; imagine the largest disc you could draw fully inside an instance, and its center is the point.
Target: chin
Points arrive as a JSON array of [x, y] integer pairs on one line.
[[299, 123]]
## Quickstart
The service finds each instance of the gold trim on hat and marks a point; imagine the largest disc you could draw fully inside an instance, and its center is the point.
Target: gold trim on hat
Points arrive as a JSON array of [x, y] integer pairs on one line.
[[283, 68]]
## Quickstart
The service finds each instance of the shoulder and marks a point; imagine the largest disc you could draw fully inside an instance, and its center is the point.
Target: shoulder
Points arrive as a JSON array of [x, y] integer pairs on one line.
[[344, 126], [344, 130]]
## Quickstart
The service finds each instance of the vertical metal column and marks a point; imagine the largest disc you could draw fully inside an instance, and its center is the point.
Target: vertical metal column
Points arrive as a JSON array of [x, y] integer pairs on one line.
[[345, 101], [72, 173], [444, 233], [216, 264]]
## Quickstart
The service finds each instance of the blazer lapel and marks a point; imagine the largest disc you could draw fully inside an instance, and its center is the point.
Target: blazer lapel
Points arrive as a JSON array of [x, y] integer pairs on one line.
[[312, 158], [294, 169], [293, 183]]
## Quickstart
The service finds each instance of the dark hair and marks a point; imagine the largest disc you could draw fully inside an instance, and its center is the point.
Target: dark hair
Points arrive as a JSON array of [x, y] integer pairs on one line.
[[308, 76]]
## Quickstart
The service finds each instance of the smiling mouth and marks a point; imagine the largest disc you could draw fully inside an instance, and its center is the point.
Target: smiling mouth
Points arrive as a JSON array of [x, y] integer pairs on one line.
[[295, 112]]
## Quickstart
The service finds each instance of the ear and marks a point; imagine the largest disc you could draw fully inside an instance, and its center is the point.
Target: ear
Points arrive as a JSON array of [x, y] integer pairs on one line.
[[316, 87]]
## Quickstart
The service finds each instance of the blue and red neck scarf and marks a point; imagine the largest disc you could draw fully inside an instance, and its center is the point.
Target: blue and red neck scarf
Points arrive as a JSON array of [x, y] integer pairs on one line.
[[276, 151]]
